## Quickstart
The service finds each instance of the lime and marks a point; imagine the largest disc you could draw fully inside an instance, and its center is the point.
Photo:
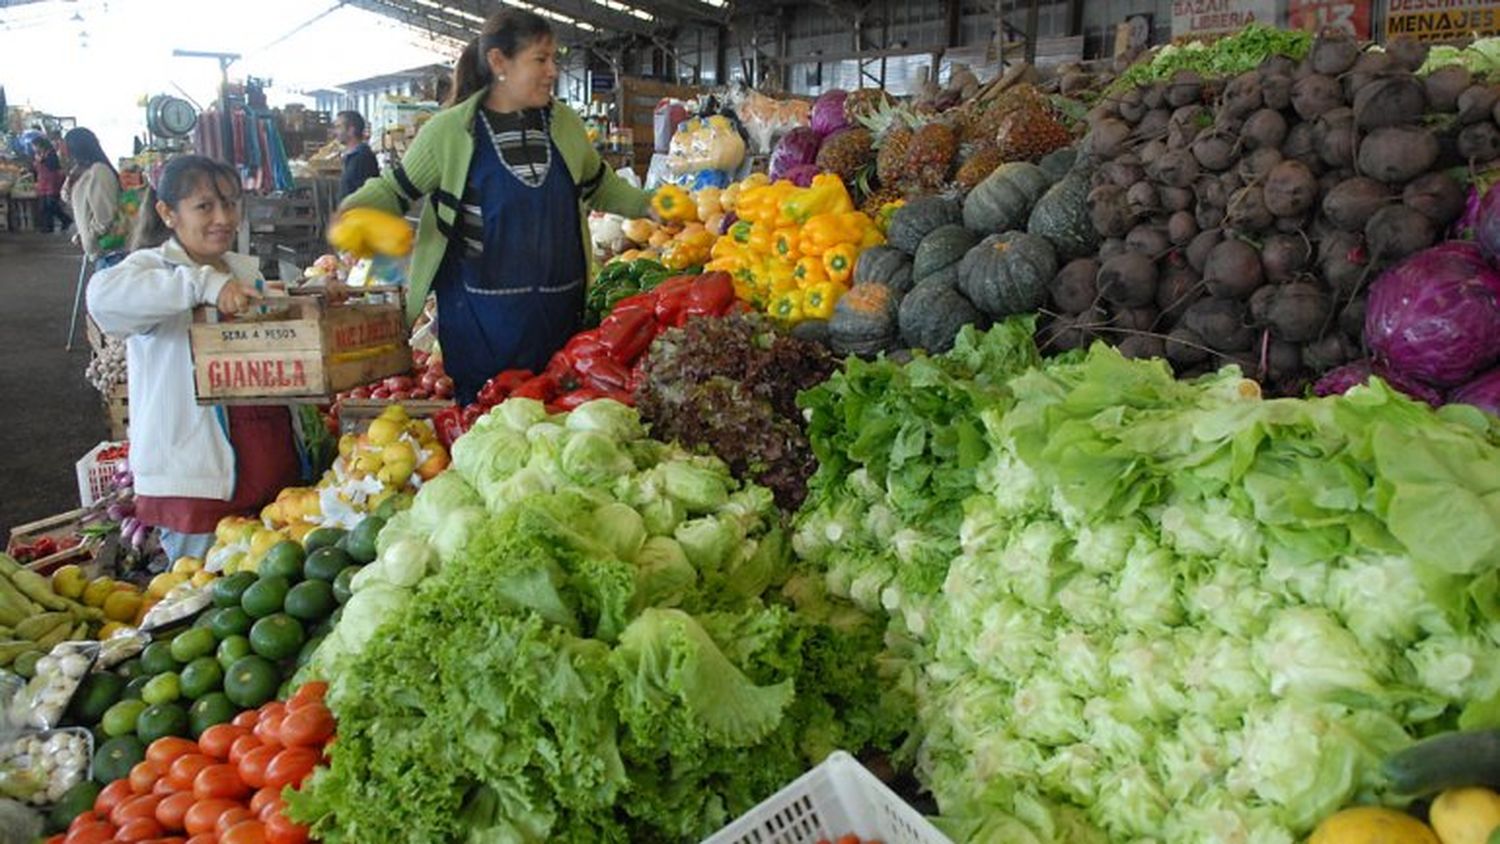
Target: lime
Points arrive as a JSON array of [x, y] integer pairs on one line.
[[201, 676], [265, 596], [325, 564], [306, 654], [210, 710], [157, 658], [341, 590], [230, 621], [25, 664], [284, 559], [200, 622], [323, 537], [95, 695], [251, 681], [392, 505], [159, 720], [227, 590], [130, 668], [74, 802], [311, 601], [134, 687], [360, 543], [191, 644], [232, 650], [114, 759], [120, 719], [163, 688], [277, 637]]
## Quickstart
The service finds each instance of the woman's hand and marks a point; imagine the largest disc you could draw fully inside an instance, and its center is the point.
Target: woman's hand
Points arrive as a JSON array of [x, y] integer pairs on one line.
[[235, 297]]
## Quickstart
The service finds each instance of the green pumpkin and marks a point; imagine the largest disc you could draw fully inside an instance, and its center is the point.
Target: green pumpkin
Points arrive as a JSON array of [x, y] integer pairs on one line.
[[864, 321], [1058, 163], [944, 247], [1008, 273], [1004, 200], [884, 265], [933, 313], [919, 218], [1062, 217]]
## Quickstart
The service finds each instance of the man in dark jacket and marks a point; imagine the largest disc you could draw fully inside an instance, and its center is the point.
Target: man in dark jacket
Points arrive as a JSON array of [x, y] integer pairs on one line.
[[359, 159]]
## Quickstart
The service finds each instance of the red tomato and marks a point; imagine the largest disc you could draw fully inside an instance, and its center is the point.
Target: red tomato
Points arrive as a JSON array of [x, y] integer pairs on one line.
[[245, 832], [254, 764], [186, 769], [313, 692], [218, 739], [242, 745], [164, 787], [272, 808], [283, 830], [232, 818], [56, 839], [204, 814], [309, 726], [164, 751], [142, 806], [291, 767], [140, 829], [219, 781], [113, 795], [172, 811], [93, 833], [205, 838], [262, 797], [275, 708], [170, 839], [85, 818], [246, 719], [144, 776]]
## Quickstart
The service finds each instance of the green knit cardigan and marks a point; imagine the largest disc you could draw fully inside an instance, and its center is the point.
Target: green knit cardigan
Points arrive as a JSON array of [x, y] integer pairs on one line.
[[437, 166]]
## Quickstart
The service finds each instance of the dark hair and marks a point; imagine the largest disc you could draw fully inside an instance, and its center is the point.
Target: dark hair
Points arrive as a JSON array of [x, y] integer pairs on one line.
[[510, 31], [40, 143], [355, 119], [83, 147], [182, 175]]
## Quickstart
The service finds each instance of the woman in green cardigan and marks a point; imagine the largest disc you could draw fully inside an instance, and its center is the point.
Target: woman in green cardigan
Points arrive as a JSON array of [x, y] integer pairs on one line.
[[508, 174]]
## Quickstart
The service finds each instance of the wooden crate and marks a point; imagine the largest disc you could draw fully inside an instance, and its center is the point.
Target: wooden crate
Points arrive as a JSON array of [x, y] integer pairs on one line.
[[301, 350], [117, 406], [59, 527]]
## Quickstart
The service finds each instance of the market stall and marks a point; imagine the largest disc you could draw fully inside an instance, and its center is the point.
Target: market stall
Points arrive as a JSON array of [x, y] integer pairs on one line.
[[1002, 465]]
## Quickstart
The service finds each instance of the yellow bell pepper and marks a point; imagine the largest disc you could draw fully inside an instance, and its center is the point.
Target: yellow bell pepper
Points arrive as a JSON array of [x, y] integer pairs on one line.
[[673, 204], [787, 307], [818, 300], [839, 261], [809, 271], [883, 216], [826, 231], [784, 244], [778, 276], [826, 195], [730, 196], [760, 239], [707, 201]]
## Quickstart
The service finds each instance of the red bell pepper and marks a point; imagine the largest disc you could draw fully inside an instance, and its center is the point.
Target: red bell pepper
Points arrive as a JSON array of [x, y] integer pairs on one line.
[[583, 344], [577, 397], [471, 415], [449, 424], [674, 284], [602, 373], [711, 295], [628, 331], [669, 306], [513, 378], [543, 388], [637, 378], [645, 300]]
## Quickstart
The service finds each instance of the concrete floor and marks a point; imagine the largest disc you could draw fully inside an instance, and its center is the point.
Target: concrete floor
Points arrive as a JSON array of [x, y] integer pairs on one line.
[[49, 415]]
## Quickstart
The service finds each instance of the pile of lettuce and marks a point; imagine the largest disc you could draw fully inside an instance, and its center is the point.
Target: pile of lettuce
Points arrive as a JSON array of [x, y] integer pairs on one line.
[[607, 642]]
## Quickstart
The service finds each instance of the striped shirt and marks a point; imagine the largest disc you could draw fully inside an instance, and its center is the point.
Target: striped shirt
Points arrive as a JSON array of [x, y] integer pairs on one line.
[[523, 141]]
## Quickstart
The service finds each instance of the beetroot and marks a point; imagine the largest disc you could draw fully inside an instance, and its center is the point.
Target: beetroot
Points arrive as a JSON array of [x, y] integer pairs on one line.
[[1316, 94], [1128, 280], [1107, 138], [1396, 154], [1184, 347], [1214, 151], [1109, 211], [1445, 85], [1408, 52], [1284, 256], [1335, 138], [1438, 196], [1396, 231], [1483, 392], [1298, 312], [1182, 227], [1221, 323], [1479, 143], [1436, 315], [1177, 289], [1233, 270], [1177, 168], [1264, 128], [1142, 347], [1291, 189], [1390, 101], [1184, 88], [1370, 66], [1148, 240], [1247, 211], [1200, 246], [1476, 103], [1073, 288], [1175, 199], [1333, 52], [1353, 201]]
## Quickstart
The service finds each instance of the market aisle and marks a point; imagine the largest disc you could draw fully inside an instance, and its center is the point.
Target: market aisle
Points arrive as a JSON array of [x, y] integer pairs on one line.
[[50, 415]]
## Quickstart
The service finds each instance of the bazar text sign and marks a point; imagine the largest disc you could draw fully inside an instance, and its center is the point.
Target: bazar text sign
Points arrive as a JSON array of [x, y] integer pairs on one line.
[[1201, 17], [1351, 16], [1441, 20]]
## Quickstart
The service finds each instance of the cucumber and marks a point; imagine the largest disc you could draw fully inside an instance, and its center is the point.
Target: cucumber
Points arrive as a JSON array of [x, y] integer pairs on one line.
[[1450, 760]]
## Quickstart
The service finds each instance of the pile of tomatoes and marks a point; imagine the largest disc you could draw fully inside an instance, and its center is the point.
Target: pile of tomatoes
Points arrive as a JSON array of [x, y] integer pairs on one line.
[[225, 788]]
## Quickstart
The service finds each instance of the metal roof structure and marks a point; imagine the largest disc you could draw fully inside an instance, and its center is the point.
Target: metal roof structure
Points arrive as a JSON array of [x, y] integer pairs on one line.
[[577, 22]]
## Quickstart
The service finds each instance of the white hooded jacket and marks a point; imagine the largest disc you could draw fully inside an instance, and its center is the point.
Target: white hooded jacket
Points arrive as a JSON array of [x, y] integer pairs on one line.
[[177, 448]]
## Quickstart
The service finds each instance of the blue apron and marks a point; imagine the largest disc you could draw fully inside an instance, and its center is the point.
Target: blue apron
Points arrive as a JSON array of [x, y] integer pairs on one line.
[[517, 302]]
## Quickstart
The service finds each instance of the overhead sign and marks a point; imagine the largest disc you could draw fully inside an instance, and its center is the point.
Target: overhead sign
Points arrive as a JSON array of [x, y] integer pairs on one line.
[[1441, 20], [1351, 16], [1217, 17]]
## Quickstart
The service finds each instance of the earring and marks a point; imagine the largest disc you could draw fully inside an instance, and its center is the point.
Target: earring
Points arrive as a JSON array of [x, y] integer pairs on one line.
[[499, 77]]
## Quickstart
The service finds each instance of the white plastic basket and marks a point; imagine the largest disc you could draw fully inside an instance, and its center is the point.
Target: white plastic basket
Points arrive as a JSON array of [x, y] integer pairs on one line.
[[96, 477], [839, 797]]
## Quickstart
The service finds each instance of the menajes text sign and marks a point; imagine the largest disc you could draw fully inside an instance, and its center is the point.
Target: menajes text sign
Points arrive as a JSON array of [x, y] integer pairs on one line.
[[1209, 17], [1441, 20], [1351, 16]]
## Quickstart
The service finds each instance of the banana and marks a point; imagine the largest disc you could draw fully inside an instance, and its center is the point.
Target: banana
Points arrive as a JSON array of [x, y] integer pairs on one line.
[[11, 648], [56, 636], [36, 587], [39, 625]]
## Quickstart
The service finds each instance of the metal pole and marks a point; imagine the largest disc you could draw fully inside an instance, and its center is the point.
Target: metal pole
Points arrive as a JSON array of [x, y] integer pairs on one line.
[[83, 274], [1031, 27]]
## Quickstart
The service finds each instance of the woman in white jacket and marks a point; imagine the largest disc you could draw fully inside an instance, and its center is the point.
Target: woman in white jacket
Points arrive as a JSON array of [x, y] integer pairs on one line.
[[193, 465], [93, 192]]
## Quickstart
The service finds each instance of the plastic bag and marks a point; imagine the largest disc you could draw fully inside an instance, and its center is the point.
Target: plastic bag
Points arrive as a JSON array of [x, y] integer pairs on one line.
[[765, 119], [124, 645], [39, 768], [707, 143], [182, 603], [40, 706], [19, 823]]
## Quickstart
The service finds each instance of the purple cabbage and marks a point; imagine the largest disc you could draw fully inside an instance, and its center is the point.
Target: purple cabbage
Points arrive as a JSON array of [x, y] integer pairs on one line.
[[1483, 392], [797, 147], [1336, 382], [1485, 220], [828, 113], [1435, 317], [801, 175]]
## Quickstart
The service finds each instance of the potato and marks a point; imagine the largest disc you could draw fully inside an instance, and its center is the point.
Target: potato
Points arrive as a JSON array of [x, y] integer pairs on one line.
[[1233, 270], [1397, 154], [1291, 189]]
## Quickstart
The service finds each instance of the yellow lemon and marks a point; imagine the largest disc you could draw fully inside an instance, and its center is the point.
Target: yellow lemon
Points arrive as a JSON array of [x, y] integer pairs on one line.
[[262, 541], [299, 531], [121, 605], [384, 431], [398, 452], [312, 505], [164, 583], [368, 463], [202, 578], [373, 502], [272, 514], [69, 582], [395, 413], [346, 445], [188, 565], [97, 590], [235, 563], [1372, 824], [395, 475]]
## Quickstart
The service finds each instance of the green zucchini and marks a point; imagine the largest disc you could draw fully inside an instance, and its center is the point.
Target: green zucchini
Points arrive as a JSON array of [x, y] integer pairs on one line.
[[1450, 760]]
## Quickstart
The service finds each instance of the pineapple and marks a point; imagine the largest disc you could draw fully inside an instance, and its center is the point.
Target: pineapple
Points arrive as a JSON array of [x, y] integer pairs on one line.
[[931, 154], [845, 151], [877, 200], [1030, 132], [979, 163], [890, 158], [864, 103]]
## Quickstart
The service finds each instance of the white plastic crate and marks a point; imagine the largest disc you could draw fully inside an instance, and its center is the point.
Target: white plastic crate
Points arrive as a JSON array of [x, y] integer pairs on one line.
[[96, 477], [839, 797]]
